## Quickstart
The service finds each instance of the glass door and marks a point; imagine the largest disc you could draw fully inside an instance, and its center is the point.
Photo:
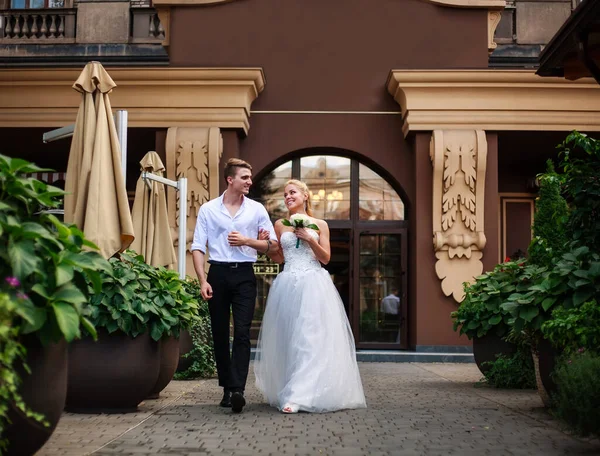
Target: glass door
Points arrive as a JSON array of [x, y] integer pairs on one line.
[[379, 314]]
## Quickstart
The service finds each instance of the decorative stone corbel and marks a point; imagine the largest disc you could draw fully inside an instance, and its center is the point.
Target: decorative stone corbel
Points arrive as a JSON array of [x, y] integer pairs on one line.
[[493, 21], [459, 163], [194, 153]]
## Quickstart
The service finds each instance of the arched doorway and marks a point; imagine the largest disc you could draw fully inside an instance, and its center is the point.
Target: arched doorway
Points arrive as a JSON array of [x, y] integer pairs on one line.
[[367, 219]]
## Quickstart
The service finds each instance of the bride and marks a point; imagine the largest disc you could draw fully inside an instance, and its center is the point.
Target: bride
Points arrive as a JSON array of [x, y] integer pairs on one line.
[[305, 357]]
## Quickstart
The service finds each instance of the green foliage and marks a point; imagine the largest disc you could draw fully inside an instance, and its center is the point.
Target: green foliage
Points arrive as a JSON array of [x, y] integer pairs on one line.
[[481, 310], [44, 256], [575, 328], [582, 187], [514, 372], [577, 400], [12, 355], [202, 354], [573, 280], [136, 298], [551, 215]]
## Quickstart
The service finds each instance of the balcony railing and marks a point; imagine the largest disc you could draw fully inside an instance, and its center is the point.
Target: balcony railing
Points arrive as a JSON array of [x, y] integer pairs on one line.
[[146, 26], [23, 26]]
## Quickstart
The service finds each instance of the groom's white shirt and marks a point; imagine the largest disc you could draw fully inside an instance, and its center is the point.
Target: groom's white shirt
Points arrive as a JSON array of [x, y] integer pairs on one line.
[[214, 224]]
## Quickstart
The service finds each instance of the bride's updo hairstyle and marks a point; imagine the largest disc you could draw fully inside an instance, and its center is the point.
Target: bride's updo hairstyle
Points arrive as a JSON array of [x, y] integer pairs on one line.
[[304, 189]]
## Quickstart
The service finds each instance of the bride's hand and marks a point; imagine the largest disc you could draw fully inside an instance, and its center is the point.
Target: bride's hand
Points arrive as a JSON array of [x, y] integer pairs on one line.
[[301, 233], [263, 235]]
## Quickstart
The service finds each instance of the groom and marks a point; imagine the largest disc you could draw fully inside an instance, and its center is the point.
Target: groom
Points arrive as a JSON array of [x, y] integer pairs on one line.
[[230, 225]]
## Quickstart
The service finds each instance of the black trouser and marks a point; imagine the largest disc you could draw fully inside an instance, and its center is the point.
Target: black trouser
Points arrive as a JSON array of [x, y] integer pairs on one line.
[[233, 288]]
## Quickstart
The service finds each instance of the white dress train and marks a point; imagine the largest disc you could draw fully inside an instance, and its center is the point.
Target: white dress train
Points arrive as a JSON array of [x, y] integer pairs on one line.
[[305, 354]]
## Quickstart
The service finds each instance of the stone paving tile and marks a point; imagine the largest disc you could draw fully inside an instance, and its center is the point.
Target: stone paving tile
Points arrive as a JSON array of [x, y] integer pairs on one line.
[[413, 409]]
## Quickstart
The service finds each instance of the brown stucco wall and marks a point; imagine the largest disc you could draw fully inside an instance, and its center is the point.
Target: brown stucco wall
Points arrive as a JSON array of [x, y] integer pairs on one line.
[[328, 55]]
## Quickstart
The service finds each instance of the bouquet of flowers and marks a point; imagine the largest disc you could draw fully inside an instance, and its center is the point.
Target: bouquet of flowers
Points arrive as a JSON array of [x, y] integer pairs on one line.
[[300, 221]]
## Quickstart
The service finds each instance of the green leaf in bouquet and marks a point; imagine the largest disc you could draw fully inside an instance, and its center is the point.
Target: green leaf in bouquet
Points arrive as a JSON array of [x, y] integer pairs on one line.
[[286, 222], [313, 226]]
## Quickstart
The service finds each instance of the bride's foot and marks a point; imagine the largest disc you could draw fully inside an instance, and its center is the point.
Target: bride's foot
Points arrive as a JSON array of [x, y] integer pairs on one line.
[[290, 408]]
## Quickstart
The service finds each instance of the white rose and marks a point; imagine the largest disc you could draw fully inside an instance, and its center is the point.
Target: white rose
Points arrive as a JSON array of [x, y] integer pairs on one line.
[[300, 220]]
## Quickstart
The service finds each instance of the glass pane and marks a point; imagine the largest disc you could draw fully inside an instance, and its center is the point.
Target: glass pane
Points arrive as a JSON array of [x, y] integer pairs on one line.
[[17, 4], [380, 278], [377, 199], [269, 190], [324, 167], [328, 180], [265, 271], [56, 3], [36, 3]]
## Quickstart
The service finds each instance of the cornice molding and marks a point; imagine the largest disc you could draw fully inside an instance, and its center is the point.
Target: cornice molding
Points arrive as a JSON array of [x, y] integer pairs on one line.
[[486, 4], [153, 97], [493, 100]]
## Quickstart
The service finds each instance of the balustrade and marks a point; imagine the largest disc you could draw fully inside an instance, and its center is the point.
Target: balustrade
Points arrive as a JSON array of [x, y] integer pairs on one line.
[[27, 25], [146, 26]]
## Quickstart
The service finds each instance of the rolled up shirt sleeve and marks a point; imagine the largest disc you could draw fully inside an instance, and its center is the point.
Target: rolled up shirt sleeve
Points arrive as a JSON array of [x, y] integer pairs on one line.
[[200, 232]]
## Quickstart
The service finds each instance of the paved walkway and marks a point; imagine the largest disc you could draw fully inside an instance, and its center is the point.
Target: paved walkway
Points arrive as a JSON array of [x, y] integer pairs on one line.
[[414, 409]]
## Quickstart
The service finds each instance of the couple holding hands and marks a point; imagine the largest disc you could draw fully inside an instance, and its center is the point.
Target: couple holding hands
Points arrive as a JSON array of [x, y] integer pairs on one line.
[[305, 357]]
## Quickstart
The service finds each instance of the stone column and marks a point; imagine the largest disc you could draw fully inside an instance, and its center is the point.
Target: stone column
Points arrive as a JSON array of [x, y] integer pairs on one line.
[[193, 153]]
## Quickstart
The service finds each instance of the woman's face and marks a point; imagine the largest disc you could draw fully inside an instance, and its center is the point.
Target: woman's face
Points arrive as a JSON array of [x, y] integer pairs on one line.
[[294, 198]]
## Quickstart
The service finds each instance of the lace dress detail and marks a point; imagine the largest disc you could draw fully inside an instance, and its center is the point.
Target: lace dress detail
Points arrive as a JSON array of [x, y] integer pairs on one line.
[[301, 259], [305, 356]]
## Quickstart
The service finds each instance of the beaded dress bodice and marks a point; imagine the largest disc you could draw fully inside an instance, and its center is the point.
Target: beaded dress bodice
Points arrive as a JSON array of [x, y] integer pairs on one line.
[[299, 259]]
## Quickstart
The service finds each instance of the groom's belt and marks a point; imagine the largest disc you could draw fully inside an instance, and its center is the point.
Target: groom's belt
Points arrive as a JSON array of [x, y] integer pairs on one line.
[[239, 264]]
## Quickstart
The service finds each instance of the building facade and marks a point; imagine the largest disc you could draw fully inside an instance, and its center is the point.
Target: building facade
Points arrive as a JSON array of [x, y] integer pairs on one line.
[[410, 120]]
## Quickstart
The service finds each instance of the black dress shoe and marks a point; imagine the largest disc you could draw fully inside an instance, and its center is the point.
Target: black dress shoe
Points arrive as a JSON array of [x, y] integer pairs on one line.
[[226, 401], [237, 402]]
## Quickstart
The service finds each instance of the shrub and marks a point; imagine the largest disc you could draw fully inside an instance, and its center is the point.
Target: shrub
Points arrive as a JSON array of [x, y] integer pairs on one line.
[[136, 298], [582, 188], [575, 328], [481, 310], [515, 371], [202, 353], [577, 400], [551, 215]]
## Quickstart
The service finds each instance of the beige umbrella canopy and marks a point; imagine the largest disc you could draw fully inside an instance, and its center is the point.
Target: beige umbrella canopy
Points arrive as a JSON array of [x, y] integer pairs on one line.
[[150, 219], [97, 199]]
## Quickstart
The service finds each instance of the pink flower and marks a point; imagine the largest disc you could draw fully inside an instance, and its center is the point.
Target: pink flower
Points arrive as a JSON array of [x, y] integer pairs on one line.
[[581, 350], [569, 362], [13, 281], [22, 295]]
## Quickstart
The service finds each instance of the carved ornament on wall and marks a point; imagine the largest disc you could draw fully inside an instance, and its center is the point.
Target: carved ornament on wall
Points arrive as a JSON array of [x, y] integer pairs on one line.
[[459, 165]]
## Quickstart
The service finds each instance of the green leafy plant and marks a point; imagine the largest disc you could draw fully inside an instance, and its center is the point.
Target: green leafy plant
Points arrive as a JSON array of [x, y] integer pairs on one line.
[[136, 298], [12, 357], [573, 280], [551, 215], [44, 255], [577, 400], [202, 353], [575, 328], [581, 166], [514, 372], [481, 310]]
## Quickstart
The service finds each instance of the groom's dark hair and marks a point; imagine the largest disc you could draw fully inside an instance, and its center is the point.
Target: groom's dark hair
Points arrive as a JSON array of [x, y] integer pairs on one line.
[[232, 165]]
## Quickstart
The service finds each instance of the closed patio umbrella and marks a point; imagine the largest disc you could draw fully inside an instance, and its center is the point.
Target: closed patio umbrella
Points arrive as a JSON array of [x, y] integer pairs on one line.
[[153, 237], [97, 199]]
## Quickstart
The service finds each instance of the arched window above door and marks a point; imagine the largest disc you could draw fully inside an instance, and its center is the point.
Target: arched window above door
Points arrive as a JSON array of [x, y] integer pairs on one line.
[[341, 189]]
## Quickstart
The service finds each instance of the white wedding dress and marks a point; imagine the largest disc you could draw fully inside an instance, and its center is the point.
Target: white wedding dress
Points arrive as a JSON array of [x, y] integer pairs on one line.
[[305, 355]]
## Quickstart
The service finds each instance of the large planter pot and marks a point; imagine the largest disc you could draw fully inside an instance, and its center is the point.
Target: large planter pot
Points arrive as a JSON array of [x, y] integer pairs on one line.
[[186, 344], [44, 391], [547, 361], [112, 375], [169, 358], [488, 348]]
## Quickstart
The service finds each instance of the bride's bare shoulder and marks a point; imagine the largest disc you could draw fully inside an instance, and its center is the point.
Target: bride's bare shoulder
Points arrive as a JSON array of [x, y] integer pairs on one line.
[[320, 223]]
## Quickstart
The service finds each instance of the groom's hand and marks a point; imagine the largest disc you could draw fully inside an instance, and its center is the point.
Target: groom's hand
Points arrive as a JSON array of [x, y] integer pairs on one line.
[[263, 235], [236, 239], [206, 291]]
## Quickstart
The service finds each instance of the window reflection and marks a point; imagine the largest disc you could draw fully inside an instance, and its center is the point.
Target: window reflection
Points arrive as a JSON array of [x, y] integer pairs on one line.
[[269, 190], [328, 179], [377, 199]]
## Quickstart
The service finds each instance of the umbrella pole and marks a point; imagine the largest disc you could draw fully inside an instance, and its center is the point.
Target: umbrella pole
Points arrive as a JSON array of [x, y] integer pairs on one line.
[[181, 186]]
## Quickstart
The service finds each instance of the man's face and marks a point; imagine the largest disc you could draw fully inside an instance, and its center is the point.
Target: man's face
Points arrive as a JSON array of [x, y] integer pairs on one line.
[[241, 182]]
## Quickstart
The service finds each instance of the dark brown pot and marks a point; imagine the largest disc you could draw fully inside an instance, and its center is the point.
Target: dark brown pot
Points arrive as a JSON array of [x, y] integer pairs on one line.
[[169, 357], [44, 391], [112, 375], [186, 344], [488, 347], [547, 358]]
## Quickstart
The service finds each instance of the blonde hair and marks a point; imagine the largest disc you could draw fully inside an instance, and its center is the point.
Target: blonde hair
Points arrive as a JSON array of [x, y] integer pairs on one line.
[[304, 188]]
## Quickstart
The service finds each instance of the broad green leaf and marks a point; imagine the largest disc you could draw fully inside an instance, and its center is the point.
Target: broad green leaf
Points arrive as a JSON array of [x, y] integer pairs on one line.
[[495, 320], [34, 317], [69, 293], [64, 274], [22, 256], [582, 295], [286, 222], [529, 313], [89, 327], [67, 319], [39, 289], [548, 302]]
